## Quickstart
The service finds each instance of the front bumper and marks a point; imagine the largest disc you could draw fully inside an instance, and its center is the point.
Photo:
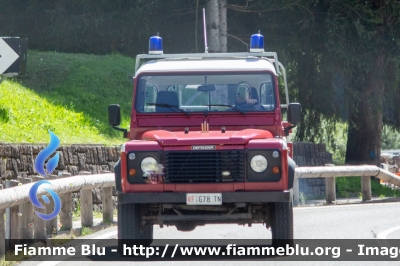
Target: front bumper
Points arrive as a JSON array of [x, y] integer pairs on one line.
[[227, 197]]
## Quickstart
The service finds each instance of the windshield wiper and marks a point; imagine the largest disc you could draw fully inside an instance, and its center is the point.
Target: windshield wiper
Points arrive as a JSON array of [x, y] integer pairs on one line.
[[169, 106], [227, 105]]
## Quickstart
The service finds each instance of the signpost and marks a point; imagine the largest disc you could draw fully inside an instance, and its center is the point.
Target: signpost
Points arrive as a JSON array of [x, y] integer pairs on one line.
[[13, 55]]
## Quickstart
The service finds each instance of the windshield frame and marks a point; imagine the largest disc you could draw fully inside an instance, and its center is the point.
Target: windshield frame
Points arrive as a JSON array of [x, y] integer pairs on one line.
[[138, 105]]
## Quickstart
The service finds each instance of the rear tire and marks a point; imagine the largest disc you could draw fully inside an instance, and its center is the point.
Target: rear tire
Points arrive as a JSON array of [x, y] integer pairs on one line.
[[282, 224], [146, 235], [185, 226]]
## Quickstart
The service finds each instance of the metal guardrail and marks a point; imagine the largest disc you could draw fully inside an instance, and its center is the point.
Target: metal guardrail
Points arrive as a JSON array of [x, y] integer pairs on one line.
[[17, 198], [20, 194], [330, 172], [25, 224]]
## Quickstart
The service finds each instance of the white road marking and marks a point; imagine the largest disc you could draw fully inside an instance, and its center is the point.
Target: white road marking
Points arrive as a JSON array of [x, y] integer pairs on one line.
[[385, 233], [343, 205]]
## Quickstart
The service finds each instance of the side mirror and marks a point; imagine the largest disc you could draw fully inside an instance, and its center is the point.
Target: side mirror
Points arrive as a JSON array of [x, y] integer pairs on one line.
[[114, 115], [294, 113]]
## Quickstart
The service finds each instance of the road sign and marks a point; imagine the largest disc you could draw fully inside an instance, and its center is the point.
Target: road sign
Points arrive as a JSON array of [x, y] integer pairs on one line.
[[13, 53]]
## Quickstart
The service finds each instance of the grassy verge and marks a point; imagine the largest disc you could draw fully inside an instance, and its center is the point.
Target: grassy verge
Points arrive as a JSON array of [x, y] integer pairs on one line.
[[4, 262], [347, 187], [68, 94]]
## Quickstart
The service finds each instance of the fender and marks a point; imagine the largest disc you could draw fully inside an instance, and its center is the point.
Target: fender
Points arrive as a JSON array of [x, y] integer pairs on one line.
[[291, 169], [117, 173]]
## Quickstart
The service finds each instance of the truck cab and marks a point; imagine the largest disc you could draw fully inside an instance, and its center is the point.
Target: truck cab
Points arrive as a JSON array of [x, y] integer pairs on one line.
[[206, 144]]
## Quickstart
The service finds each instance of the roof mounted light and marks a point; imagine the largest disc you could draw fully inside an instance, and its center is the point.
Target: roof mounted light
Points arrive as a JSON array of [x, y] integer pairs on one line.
[[155, 45], [257, 43]]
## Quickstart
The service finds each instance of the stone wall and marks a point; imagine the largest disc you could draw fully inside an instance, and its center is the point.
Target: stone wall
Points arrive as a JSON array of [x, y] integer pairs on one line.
[[393, 162], [17, 160], [311, 154]]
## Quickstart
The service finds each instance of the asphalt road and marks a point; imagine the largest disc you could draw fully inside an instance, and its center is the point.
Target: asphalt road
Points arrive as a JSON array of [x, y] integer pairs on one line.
[[360, 221]]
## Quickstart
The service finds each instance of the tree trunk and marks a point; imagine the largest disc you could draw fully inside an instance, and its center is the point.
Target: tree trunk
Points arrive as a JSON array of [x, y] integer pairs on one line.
[[365, 121], [223, 31], [212, 21]]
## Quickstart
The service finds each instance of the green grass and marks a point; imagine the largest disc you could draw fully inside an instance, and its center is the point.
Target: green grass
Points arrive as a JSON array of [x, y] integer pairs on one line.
[[85, 231], [347, 187], [12, 258], [68, 94]]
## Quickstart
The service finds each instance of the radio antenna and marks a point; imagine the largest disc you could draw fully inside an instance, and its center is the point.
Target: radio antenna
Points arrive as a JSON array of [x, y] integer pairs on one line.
[[205, 30]]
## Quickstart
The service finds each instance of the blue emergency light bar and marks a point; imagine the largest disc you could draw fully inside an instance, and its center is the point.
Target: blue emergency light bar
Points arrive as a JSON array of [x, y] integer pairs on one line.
[[257, 43], [155, 45]]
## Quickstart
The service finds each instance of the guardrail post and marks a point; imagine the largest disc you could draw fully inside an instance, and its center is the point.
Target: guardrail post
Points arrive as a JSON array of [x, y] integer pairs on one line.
[[66, 208], [39, 225], [2, 231], [296, 192], [26, 218], [86, 200], [15, 232], [366, 188], [106, 199], [107, 202], [330, 190], [51, 225], [8, 216]]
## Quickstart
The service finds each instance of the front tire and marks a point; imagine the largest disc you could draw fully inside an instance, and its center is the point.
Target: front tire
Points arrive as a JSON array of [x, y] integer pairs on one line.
[[282, 224], [130, 230]]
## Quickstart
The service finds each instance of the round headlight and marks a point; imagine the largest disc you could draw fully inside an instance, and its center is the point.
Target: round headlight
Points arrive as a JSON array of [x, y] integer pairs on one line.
[[148, 164], [132, 156], [258, 163], [275, 154]]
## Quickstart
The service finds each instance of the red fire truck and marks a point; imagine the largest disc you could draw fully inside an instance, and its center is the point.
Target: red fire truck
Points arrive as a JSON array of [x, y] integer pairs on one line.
[[207, 143]]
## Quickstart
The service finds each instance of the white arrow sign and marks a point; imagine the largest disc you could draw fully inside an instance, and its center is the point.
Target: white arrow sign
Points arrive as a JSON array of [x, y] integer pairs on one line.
[[7, 56]]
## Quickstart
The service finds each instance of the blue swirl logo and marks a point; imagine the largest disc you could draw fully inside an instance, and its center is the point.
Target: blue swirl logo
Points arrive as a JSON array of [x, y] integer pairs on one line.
[[35, 201], [39, 167], [45, 153]]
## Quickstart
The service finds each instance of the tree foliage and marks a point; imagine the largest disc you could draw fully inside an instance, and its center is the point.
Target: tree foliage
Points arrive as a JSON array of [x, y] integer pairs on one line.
[[343, 65], [100, 26]]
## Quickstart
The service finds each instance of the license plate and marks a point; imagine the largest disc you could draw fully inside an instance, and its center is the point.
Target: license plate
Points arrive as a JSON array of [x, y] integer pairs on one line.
[[203, 198]]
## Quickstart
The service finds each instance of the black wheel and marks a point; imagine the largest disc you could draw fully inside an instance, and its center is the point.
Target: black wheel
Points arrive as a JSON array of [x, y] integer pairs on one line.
[[185, 226], [282, 224], [130, 231], [146, 234]]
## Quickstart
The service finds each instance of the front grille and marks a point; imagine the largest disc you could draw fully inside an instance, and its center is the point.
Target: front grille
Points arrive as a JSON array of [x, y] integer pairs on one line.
[[204, 166]]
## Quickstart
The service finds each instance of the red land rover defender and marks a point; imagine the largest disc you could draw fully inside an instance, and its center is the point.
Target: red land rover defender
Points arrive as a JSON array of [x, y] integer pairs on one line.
[[207, 145]]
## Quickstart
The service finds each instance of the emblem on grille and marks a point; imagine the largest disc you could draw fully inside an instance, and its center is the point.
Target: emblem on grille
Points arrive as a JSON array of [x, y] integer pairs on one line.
[[205, 147], [204, 127]]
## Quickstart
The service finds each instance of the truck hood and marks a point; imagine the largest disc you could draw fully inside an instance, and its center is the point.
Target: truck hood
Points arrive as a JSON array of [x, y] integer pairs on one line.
[[242, 137]]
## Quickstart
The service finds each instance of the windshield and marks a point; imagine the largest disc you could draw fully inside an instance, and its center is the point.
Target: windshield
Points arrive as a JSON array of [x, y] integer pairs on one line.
[[205, 93]]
